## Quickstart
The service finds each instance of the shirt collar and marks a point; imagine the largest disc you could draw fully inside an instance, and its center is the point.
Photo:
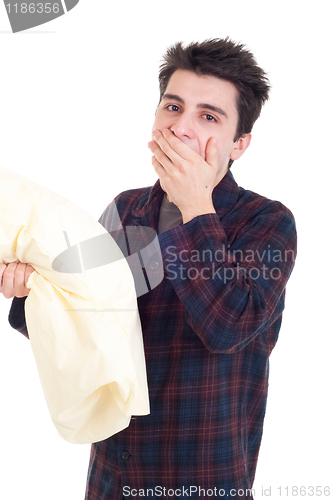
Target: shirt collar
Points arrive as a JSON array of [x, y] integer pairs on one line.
[[224, 197]]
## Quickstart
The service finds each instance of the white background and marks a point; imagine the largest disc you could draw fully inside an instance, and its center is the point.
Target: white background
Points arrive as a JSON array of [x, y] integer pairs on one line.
[[77, 101]]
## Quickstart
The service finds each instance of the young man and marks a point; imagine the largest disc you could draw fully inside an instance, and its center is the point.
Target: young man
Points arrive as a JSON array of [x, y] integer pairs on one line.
[[209, 327]]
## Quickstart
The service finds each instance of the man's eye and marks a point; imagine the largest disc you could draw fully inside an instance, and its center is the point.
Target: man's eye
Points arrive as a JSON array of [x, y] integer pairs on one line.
[[210, 118], [172, 107]]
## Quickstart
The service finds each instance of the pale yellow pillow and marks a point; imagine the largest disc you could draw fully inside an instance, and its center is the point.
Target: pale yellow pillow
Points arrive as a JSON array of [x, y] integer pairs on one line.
[[84, 327]]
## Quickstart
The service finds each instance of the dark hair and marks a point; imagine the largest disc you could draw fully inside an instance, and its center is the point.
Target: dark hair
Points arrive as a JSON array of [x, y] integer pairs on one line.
[[228, 61]]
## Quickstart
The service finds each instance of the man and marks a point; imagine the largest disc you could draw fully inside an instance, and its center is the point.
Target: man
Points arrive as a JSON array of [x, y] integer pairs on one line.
[[211, 324]]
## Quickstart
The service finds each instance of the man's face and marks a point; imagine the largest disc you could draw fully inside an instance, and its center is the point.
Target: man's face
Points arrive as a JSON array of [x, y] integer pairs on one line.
[[196, 108]]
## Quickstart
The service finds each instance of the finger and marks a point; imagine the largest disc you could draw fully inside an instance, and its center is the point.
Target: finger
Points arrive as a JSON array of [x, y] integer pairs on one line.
[[14, 279], [2, 269], [21, 276], [161, 156], [169, 142], [211, 152], [19, 273], [19, 288], [25, 290], [160, 171], [28, 271], [166, 141], [8, 280]]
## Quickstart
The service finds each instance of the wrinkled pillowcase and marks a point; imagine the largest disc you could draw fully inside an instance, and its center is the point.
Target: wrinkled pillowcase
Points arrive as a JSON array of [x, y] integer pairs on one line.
[[84, 327]]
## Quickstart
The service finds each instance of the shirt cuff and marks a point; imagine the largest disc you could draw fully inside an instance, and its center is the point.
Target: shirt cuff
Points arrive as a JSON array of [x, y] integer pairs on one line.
[[16, 316]]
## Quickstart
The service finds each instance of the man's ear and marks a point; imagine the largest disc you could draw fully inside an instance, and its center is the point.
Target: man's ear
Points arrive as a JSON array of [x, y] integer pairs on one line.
[[240, 146]]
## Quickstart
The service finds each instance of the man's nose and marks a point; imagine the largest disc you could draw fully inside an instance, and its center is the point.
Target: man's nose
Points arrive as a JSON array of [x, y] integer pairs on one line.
[[183, 127]]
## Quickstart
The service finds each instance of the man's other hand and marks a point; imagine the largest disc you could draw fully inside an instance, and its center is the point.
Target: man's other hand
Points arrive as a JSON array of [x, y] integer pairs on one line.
[[14, 278], [186, 177]]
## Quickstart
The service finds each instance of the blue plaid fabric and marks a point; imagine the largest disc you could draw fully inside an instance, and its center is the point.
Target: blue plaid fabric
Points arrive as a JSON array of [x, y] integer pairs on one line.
[[209, 328]]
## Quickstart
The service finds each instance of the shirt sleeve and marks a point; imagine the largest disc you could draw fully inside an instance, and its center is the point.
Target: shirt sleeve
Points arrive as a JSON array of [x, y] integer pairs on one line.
[[232, 286], [16, 316]]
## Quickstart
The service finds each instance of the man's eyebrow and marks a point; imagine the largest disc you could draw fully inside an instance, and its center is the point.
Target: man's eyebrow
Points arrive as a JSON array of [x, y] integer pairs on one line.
[[212, 107], [201, 105], [174, 97]]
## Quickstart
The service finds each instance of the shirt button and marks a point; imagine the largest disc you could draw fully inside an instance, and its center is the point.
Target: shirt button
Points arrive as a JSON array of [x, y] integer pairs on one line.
[[154, 265], [125, 455]]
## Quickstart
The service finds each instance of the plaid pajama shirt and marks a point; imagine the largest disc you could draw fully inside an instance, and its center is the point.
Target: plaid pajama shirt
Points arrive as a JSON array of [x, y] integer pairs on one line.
[[209, 328]]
